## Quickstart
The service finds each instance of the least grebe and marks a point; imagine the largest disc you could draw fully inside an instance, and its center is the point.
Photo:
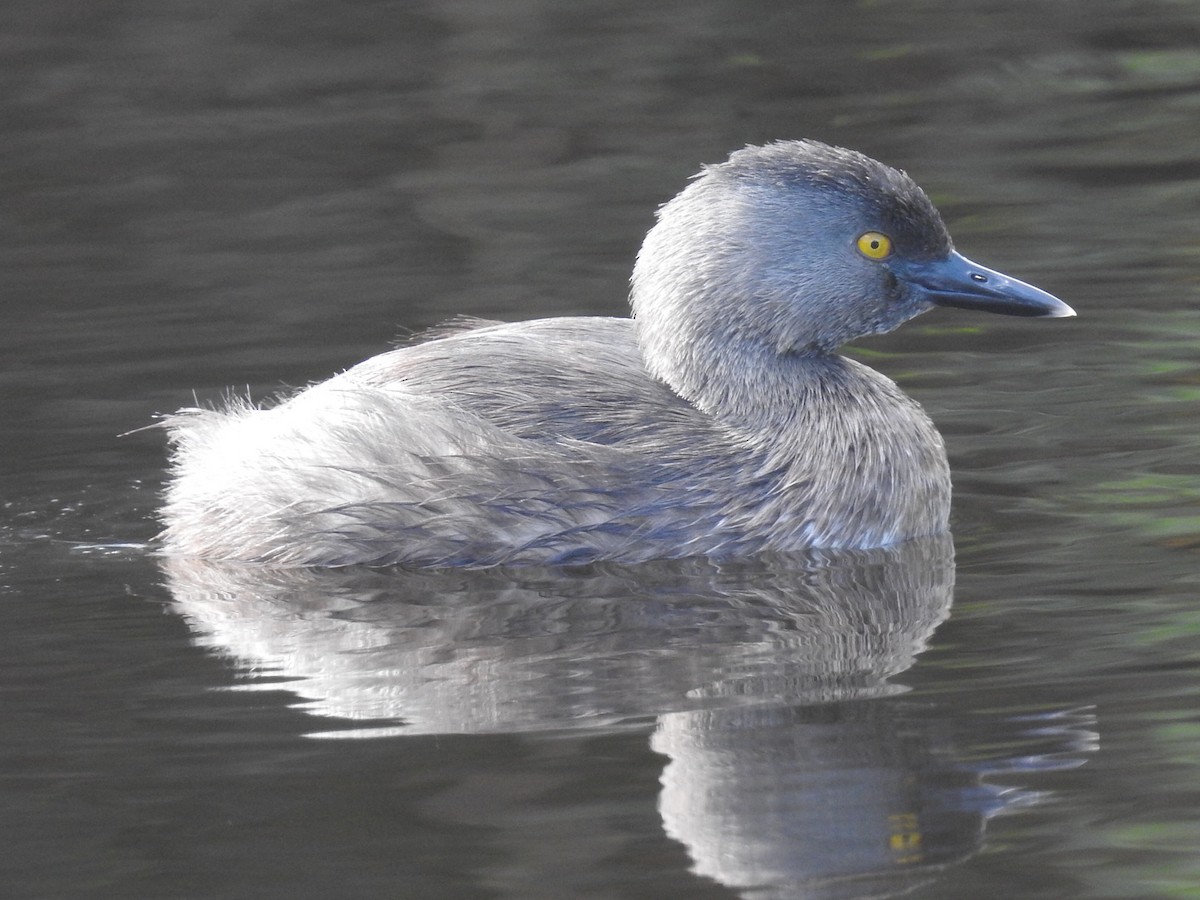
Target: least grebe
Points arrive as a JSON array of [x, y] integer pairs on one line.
[[718, 421]]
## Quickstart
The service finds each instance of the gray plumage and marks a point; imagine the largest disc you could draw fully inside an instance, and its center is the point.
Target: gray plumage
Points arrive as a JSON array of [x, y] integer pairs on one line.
[[716, 422]]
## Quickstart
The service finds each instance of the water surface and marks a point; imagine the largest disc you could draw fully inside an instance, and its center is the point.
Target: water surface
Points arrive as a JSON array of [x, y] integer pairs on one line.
[[254, 196]]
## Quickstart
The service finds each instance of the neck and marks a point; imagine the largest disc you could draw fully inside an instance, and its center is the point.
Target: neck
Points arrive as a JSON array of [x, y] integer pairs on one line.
[[753, 387]]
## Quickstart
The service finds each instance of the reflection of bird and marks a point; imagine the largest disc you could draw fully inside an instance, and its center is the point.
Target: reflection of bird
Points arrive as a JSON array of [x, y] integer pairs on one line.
[[720, 421], [524, 648], [849, 800]]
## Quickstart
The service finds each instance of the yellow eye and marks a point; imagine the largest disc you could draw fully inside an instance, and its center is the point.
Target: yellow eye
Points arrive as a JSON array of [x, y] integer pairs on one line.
[[875, 245]]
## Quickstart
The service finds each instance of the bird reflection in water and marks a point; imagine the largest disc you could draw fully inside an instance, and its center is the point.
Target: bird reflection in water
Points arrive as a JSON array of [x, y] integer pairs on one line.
[[791, 766]]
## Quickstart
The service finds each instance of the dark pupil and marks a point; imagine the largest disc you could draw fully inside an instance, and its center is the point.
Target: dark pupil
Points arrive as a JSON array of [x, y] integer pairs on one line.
[[874, 245]]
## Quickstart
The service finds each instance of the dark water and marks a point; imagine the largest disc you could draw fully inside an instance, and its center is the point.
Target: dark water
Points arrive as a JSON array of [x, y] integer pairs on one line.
[[202, 196]]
